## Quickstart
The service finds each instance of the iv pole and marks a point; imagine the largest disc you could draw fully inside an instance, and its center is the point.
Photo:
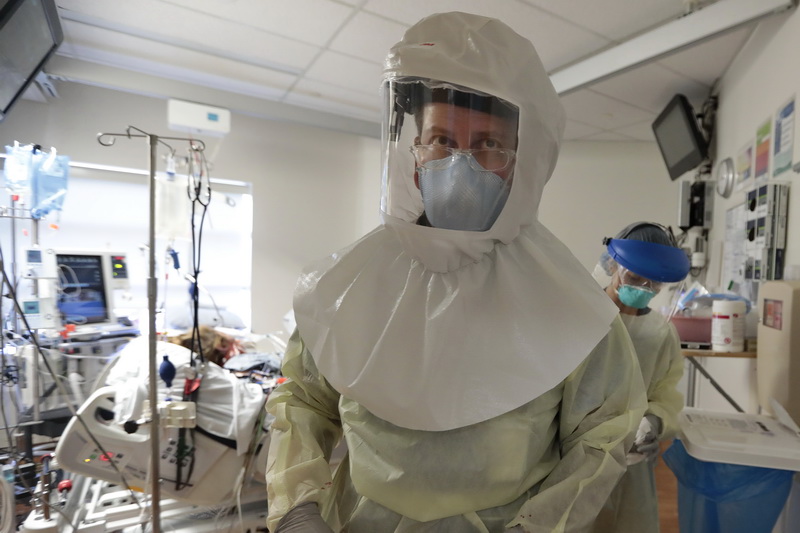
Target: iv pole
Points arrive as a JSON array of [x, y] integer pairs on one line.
[[152, 288]]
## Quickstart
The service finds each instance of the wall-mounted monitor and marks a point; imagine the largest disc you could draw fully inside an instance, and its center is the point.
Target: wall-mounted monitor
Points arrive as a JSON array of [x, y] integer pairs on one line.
[[683, 146], [30, 33]]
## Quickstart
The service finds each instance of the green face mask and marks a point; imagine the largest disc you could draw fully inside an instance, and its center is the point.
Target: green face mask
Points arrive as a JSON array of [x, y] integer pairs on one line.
[[636, 297]]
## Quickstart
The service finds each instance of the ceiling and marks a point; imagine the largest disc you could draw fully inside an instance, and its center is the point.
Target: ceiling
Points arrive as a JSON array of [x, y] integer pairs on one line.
[[320, 61]]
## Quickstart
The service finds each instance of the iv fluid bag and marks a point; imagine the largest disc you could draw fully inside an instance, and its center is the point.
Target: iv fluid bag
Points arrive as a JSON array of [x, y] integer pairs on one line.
[[49, 184], [173, 209], [18, 169]]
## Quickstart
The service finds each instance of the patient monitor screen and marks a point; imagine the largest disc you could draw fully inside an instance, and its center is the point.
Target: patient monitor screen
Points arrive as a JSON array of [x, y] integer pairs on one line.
[[83, 292]]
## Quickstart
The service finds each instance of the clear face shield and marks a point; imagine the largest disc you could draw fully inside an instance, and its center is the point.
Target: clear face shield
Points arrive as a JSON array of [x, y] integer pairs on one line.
[[639, 292], [449, 154]]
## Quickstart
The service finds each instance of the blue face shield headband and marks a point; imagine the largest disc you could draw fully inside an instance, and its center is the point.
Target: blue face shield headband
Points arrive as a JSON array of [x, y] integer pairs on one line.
[[656, 262]]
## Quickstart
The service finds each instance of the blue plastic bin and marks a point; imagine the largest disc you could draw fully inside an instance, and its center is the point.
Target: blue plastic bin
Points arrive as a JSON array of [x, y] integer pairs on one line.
[[726, 498]]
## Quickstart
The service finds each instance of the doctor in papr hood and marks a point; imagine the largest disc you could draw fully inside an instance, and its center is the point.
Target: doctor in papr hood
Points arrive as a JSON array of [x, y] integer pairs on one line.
[[480, 377]]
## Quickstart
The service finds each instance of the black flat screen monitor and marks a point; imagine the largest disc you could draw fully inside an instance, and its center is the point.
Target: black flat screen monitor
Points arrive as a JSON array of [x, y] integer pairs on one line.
[[683, 146], [30, 33], [83, 298]]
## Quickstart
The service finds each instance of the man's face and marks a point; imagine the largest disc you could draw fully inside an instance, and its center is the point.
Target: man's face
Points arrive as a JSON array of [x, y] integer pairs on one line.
[[462, 128]]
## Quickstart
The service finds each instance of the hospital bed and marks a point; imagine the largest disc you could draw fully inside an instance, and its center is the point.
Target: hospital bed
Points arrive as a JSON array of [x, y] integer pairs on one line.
[[212, 452]]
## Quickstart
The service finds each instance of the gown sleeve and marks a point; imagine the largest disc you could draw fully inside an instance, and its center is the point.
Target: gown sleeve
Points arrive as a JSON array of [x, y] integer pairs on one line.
[[602, 404], [664, 399], [303, 435]]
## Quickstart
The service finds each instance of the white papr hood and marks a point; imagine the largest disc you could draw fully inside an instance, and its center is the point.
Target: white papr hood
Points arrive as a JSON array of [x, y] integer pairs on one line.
[[437, 329]]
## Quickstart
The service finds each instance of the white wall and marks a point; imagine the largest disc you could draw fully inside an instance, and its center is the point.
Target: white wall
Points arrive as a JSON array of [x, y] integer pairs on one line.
[[598, 188], [315, 191], [760, 80]]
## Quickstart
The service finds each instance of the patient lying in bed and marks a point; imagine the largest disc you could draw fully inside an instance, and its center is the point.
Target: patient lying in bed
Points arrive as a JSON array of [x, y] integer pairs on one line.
[[228, 437]]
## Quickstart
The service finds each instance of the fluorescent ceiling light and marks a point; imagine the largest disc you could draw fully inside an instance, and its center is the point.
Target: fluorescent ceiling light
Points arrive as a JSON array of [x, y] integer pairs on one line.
[[142, 172], [708, 22]]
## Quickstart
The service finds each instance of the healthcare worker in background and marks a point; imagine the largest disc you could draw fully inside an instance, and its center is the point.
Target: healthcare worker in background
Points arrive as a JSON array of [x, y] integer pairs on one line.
[[481, 379], [643, 260]]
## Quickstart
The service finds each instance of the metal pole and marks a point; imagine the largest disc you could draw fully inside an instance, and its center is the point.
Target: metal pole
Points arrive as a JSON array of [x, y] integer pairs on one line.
[[152, 288], [691, 378], [13, 281], [37, 380], [713, 382], [155, 497]]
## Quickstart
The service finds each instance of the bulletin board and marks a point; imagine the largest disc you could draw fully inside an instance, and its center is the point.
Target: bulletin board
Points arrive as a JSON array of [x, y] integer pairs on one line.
[[733, 248]]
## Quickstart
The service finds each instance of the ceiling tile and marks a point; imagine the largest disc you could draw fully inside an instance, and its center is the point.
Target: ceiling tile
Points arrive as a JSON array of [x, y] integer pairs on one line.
[[199, 78], [616, 20], [557, 41], [133, 53], [289, 19], [575, 130], [345, 71], [643, 131], [608, 136], [408, 12], [328, 54], [167, 23], [368, 37], [601, 111], [325, 97], [650, 87], [707, 61]]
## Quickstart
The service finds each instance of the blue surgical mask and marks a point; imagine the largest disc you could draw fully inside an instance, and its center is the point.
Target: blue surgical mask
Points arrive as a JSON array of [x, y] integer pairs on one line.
[[636, 297], [457, 196]]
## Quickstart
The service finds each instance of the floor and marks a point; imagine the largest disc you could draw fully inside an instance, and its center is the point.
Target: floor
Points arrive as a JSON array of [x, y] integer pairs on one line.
[[667, 488]]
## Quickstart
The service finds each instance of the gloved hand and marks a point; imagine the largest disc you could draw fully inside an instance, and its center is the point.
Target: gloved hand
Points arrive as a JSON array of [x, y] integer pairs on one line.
[[646, 442], [304, 518]]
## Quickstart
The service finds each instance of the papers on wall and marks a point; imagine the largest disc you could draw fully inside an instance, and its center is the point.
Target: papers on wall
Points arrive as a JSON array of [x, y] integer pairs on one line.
[[744, 167], [733, 249], [784, 139], [763, 137]]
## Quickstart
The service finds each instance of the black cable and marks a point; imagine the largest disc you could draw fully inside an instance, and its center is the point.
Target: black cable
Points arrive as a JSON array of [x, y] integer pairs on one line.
[[195, 193]]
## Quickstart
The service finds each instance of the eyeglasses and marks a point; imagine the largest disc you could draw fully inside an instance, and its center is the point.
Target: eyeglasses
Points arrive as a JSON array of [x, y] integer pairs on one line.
[[629, 278], [491, 160]]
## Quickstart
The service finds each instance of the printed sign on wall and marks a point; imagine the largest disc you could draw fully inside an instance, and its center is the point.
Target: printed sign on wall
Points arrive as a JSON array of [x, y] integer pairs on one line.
[[763, 136], [784, 139]]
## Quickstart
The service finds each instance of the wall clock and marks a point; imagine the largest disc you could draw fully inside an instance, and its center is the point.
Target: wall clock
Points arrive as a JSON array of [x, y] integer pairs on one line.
[[725, 176]]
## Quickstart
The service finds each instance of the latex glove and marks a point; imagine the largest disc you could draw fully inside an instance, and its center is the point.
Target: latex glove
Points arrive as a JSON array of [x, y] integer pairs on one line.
[[304, 518], [646, 442]]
